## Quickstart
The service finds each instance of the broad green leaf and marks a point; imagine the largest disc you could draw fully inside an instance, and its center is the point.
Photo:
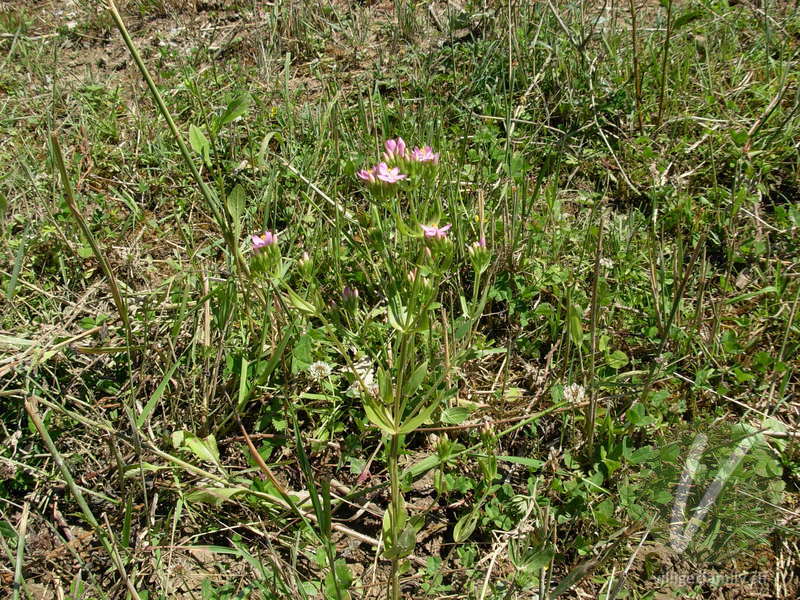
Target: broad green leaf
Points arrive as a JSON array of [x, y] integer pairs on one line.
[[539, 560], [641, 455], [617, 359], [465, 526], [574, 327], [236, 207], [389, 522], [417, 377], [385, 386], [378, 416], [237, 107], [200, 144], [135, 471], [455, 415], [264, 149], [205, 449], [301, 354], [419, 419]]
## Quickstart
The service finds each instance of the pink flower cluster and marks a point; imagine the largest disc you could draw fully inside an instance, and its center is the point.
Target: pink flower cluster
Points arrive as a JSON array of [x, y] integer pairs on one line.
[[397, 153]]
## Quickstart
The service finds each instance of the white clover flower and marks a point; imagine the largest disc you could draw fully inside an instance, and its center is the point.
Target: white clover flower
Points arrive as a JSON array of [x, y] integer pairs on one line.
[[606, 263], [319, 370], [574, 393]]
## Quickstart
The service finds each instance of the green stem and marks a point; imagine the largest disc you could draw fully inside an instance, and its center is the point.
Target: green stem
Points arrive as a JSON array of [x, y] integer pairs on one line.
[[664, 63], [122, 308], [210, 199], [394, 476], [637, 83], [106, 537]]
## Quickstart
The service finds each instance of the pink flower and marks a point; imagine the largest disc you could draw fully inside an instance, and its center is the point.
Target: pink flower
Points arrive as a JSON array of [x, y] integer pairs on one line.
[[381, 173], [395, 150], [367, 175], [387, 174], [434, 232], [425, 155], [264, 240]]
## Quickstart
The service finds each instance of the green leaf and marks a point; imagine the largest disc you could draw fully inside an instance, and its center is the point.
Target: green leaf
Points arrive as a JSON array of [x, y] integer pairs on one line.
[[398, 315], [539, 560], [205, 449], [385, 386], [151, 403], [642, 455], [419, 419], [416, 378], [574, 327], [237, 107], [215, 496], [390, 522], [301, 354], [378, 416], [405, 543], [465, 526], [264, 149], [637, 415], [136, 471], [739, 137], [617, 359], [455, 415], [236, 207], [422, 467], [200, 144], [337, 581], [302, 305], [662, 497]]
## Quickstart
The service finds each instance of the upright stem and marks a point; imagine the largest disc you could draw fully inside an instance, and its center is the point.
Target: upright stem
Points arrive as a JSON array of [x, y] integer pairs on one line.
[[637, 83], [664, 63], [591, 413], [394, 452], [394, 476], [208, 195]]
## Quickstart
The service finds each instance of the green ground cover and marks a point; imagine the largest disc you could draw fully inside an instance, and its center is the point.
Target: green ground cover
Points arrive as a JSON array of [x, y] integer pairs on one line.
[[432, 300]]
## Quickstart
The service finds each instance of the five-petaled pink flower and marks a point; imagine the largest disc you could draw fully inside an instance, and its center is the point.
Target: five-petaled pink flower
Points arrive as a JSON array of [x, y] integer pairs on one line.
[[425, 155], [434, 232], [264, 240], [381, 173], [388, 174], [395, 150]]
